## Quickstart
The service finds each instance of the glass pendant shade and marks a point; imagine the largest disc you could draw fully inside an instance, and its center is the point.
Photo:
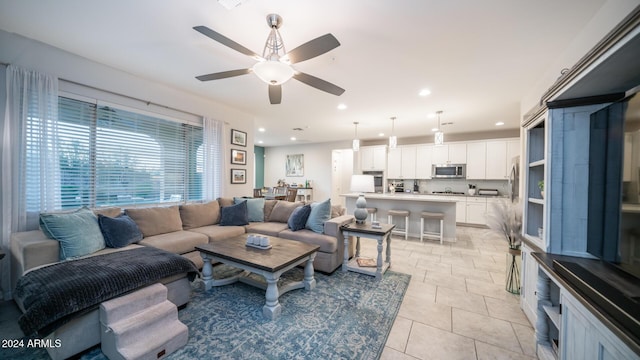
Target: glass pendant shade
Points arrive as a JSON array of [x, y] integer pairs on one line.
[[393, 142], [273, 72], [356, 144], [439, 138]]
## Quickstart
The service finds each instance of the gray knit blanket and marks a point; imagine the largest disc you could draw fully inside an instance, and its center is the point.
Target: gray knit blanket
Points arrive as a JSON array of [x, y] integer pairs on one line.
[[55, 294]]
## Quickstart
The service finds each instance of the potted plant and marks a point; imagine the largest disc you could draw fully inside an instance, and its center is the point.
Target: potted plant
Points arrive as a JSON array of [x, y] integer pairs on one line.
[[541, 187], [472, 189], [505, 218]]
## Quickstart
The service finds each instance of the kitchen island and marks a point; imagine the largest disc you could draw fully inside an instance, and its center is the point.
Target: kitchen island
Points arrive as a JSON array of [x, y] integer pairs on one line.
[[415, 204]]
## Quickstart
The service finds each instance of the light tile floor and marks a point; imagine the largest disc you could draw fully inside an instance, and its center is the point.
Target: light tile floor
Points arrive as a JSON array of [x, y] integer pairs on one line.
[[456, 306]]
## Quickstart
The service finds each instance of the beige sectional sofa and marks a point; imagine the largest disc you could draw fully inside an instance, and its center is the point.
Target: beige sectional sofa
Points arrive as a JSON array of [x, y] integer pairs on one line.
[[177, 229]]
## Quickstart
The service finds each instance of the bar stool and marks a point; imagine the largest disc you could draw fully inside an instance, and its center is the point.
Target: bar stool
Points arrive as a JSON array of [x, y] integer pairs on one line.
[[372, 212], [425, 215], [404, 213]]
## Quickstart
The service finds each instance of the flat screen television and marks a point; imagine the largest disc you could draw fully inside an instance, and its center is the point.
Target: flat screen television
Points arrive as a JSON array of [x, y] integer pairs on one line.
[[614, 184]]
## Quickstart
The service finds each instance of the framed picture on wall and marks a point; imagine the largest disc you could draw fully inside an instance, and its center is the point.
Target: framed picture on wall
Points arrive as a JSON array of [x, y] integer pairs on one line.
[[238, 176], [295, 165], [238, 137], [238, 157]]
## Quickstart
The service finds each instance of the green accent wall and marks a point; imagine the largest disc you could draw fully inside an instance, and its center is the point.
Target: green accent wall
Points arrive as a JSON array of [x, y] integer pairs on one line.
[[259, 154]]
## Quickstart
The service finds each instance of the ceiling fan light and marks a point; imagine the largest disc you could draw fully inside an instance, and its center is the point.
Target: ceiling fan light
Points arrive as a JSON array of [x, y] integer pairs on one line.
[[273, 72]]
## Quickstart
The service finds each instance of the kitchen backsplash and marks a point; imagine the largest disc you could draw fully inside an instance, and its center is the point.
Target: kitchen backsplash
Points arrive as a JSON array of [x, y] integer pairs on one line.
[[456, 185]]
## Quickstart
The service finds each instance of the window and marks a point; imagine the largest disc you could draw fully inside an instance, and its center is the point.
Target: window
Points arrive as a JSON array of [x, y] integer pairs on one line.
[[114, 157]]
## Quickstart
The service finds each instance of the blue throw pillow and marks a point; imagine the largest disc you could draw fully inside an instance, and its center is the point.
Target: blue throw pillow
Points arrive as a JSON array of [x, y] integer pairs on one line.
[[119, 231], [320, 212], [255, 208], [234, 215], [298, 218], [77, 232]]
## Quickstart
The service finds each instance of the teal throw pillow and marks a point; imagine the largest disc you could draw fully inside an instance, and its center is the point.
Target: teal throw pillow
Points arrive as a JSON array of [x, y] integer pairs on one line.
[[320, 212], [119, 231], [298, 218], [77, 232], [255, 208], [234, 215]]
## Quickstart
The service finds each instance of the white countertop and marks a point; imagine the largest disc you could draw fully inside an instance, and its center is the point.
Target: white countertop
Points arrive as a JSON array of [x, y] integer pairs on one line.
[[405, 196]]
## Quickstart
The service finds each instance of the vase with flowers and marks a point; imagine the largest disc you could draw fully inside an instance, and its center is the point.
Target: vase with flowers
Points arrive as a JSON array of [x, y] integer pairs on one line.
[[505, 218]]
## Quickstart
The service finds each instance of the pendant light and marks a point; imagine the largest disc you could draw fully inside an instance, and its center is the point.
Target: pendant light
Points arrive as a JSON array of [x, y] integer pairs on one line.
[[393, 139], [439, 135], [356, 141]]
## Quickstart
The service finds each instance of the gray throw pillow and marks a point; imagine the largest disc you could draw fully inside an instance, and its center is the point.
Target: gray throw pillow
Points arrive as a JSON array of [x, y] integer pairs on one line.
[[234, 215], [298, 218], [119, 231]]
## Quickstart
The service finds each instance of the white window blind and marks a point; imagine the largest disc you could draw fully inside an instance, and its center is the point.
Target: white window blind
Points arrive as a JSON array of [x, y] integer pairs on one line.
[[114, 157]]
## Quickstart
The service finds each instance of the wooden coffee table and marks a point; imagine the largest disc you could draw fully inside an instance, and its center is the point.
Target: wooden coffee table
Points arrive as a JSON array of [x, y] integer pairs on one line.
[[270, 264]]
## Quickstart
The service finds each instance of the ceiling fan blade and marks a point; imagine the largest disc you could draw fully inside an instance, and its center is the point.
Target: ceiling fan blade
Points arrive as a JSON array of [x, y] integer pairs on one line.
[[318, 83], [275, 94], [225, 41], [223, 75], [313, 48]]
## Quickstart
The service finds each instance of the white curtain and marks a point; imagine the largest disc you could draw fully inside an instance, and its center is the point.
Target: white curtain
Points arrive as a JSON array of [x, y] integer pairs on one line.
[[213, 144], [32, 99]]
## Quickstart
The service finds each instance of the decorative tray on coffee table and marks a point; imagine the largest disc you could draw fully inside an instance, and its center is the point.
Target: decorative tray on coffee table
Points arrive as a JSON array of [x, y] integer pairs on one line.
[[259, 246]]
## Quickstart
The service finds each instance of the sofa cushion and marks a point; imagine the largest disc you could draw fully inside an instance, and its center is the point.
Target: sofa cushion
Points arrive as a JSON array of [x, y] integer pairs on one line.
[[298, 218], [234, 215], [255, 208], [156, 220], [216, 232], [224, 202], [177, 242], [266, 228], [119, 231], [328, 244], [282, 210], [111, 211], [77, 232], [268, 208], [197, 215], [320, 212]]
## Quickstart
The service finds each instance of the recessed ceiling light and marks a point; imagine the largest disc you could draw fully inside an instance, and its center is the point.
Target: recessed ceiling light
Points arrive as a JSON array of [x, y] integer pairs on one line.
[[431, 116], [434, 129], [499, 123], [342, 107], [293, 138], [261, 129], [260, 141], [424, 92], [381, 134]]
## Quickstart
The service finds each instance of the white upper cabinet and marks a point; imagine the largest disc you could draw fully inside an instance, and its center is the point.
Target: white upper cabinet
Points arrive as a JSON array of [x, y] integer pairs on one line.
[[373, 158], [450, 153], [402, 162], [496, 160], [476, 155], [424, 155]]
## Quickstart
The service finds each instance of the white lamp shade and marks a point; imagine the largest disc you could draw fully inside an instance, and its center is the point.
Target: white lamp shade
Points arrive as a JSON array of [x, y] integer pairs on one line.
[[393, 142], [362, 183], [273, 72], [356, 145]]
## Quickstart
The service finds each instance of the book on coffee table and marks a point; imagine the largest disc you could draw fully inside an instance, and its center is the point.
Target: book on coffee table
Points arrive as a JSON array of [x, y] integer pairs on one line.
[[366, 262]]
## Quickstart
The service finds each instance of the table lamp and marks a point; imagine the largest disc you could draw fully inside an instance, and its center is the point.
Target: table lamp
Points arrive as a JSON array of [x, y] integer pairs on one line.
[[361, 184]]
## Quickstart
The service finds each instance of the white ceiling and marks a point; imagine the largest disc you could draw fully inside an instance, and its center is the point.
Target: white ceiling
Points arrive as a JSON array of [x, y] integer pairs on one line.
[[478, 58]]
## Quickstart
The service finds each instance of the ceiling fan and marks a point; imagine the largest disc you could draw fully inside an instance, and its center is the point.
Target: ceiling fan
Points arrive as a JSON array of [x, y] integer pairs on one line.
[[274, 66]]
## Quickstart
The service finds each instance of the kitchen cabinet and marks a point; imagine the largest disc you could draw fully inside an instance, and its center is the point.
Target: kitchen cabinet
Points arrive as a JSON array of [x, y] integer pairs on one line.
[[476, 211], [496, 160], [461, 208], [402, 162], [424, 161], [373, 158], [455, 153], [513, 150], [476, 160]]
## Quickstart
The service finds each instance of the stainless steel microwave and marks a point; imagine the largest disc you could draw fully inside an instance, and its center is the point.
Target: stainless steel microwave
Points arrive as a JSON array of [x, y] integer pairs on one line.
[[449, 171]]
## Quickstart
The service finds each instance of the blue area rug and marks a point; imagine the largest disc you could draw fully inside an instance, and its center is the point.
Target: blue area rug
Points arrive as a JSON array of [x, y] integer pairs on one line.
[[347, 316]]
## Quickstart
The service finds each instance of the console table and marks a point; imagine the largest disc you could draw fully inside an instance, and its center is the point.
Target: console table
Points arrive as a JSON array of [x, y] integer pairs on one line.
[[365, 230]]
